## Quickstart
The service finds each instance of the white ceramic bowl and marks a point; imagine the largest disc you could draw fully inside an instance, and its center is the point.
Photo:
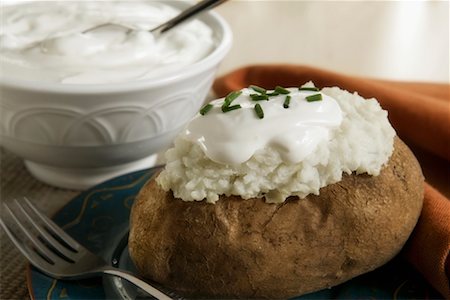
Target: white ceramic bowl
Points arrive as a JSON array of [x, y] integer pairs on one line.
[[75, 136]]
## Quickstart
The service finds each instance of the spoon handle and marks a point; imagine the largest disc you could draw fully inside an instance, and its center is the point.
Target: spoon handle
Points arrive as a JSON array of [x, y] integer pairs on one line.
[[185, 15]]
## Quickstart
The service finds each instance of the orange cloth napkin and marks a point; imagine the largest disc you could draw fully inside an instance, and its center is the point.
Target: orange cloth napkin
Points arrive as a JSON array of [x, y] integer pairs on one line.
[[420, 113]]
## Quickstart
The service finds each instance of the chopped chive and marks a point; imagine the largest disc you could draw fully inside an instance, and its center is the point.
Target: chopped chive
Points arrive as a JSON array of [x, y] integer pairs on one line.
[[314, 89], [281, 90], [259, 111], [257, 97], [231, 97], [230, 108], [272, 94], [205, 109], [287, 101], [258, 89], [315, 97]]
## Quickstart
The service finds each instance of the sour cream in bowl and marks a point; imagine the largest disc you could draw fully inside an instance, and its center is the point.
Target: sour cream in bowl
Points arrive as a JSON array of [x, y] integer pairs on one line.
[[66, 42], [81, 102]]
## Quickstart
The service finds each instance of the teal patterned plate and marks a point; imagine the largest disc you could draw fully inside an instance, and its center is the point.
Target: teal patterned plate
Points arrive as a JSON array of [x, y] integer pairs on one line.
[[98, 219]]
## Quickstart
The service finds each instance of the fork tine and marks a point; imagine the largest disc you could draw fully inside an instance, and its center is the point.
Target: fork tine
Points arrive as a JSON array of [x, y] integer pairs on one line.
[[30, 254], [52, 226], [46, 236], [39, 245]]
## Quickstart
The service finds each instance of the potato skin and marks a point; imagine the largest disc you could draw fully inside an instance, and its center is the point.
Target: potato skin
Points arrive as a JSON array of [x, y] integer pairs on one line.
[[250, 249]]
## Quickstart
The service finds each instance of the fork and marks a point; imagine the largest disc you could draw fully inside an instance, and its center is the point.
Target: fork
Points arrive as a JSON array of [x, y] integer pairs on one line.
[[54, 252]]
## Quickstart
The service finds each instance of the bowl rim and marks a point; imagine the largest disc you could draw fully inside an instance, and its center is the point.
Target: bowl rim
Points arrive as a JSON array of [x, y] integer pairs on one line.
[[211, 60]]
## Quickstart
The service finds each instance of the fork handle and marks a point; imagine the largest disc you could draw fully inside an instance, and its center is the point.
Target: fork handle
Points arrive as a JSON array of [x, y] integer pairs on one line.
[[138, 282]]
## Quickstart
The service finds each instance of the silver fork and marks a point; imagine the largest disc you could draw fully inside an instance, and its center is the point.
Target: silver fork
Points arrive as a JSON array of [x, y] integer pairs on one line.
[[54, 252]]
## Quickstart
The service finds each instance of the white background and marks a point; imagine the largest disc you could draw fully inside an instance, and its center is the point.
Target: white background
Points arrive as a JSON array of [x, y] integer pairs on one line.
[[400, 40]]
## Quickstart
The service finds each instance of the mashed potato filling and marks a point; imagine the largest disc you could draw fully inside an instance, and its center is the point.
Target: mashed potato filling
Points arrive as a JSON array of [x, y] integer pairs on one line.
[[362, 143]]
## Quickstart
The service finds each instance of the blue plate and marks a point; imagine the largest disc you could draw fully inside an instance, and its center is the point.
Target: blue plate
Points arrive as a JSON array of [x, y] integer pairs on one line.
[[98, 219]]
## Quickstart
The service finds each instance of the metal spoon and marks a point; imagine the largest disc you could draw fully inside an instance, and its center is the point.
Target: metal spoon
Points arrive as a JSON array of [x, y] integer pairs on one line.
[[180, 18]]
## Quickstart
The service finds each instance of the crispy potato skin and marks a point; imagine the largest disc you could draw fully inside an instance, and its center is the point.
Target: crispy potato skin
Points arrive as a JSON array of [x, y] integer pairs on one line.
[[250, 249]]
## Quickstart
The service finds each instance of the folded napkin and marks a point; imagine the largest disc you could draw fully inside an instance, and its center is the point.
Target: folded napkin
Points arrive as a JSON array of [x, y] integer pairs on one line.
[[420, 113]]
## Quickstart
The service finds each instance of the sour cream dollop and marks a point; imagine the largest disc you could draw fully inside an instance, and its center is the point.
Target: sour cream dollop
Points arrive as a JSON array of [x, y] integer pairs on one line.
[[294, 131], [54, 41]]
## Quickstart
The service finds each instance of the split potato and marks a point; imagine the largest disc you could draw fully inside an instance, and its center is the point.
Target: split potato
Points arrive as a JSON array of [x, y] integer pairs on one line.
[[251, 249]]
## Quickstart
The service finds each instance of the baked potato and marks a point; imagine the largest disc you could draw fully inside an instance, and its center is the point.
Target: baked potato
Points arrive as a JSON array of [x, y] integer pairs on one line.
[[251, 249]]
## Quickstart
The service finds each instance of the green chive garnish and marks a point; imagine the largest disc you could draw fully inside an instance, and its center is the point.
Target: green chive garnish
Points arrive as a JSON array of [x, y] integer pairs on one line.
[[272, 94], [258, 89], [232, 96], [287, 101], [315, 97], [259, 111], [257, 97], [314, 89], [205, 109], [281, 90], [230, 108]]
